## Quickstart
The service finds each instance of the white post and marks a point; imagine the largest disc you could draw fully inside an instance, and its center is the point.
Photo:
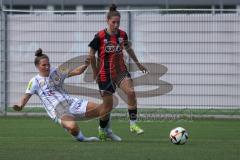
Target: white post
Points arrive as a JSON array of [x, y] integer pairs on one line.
[[213, 9], [79, 8], [238, 9], [50, 8]]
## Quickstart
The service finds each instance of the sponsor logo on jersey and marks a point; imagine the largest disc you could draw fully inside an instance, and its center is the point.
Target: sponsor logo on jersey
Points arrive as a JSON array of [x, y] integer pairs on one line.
[[57, 79], [112, 48]]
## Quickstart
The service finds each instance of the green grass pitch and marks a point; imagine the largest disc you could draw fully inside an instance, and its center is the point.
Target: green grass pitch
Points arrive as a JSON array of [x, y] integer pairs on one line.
[[40, 138]]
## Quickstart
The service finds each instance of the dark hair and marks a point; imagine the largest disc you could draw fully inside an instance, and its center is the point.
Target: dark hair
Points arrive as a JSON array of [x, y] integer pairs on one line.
[[113, 11], [39, 55]]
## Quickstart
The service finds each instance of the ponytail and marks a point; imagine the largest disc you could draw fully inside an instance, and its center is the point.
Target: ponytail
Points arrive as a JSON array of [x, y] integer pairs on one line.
[[113, 11]]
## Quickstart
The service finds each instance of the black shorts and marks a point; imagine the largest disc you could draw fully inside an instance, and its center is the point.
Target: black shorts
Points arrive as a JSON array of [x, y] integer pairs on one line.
[[109, 87]]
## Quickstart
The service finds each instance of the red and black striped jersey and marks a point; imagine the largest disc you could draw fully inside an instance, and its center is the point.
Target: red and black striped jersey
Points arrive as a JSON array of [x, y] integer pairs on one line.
[[110, 53]]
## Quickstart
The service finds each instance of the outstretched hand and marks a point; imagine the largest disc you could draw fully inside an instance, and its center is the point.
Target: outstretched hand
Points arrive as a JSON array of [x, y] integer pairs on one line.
[[142, 68], [17, 107], [87, 60]]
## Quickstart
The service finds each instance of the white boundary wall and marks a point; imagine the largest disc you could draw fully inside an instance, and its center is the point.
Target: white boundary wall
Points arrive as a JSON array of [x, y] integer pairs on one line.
[[199, 54]]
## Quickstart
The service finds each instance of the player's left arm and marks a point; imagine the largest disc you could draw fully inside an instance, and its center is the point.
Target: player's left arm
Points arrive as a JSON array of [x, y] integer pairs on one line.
[[133, 56], [79, 70]]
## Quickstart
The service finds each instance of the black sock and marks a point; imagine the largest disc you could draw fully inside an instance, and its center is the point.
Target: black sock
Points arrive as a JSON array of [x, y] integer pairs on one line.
[[103, 123], [133, 114]]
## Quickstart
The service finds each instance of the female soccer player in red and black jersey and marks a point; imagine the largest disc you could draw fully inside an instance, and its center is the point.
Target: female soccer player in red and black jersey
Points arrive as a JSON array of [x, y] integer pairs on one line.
[[111, 71]]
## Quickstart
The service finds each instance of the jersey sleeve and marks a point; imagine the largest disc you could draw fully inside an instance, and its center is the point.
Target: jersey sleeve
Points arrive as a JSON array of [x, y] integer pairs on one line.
[[125, 40], [63, 72], [31, 87], [125, 37], [95, 43]]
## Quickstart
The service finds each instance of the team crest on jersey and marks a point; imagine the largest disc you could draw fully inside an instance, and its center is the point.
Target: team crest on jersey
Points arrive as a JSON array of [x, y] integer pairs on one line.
[[42, 82], [120, 40]]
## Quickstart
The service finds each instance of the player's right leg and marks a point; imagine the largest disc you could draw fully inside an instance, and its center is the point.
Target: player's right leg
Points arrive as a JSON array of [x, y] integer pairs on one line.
[[104, 130], [103, 112], [70, 125]]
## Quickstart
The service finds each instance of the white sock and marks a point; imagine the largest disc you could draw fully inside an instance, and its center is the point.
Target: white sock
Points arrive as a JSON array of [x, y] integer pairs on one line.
[[80, 136], [132, 122]]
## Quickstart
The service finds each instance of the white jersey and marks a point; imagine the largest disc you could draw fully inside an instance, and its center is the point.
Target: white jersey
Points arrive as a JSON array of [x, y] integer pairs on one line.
[[50, 90]]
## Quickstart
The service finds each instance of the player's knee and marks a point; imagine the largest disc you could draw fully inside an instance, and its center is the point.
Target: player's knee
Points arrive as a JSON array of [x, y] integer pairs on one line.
[[72, 129], [105, 110], [131, 93], [108, 109], [108, 104], [70, 125]]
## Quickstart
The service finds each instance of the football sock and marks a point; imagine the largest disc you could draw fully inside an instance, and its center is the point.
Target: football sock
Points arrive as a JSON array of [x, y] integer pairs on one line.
[[132, 122], [103, 123], [133, 114]]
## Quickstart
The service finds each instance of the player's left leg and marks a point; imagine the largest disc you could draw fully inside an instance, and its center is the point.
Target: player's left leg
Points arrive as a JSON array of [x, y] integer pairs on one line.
[[126, 85], [70, 125]]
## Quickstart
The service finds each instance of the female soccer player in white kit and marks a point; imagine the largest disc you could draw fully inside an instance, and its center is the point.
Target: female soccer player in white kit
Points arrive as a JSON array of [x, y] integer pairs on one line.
[[61, 107]]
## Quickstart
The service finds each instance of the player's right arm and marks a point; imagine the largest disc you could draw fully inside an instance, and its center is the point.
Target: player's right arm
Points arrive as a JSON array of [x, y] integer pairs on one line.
[[93, 62], [23, 101], [31, 89], [94, 46]]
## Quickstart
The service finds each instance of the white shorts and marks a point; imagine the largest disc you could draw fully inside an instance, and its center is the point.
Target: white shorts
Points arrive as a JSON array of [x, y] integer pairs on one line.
[[77, 109]]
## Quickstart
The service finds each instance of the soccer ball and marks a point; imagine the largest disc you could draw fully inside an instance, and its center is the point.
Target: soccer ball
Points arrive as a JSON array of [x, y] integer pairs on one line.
[[178, 135]]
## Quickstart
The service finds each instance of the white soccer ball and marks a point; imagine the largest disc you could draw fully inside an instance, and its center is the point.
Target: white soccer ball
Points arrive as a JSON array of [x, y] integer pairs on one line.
[[178, 135]]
